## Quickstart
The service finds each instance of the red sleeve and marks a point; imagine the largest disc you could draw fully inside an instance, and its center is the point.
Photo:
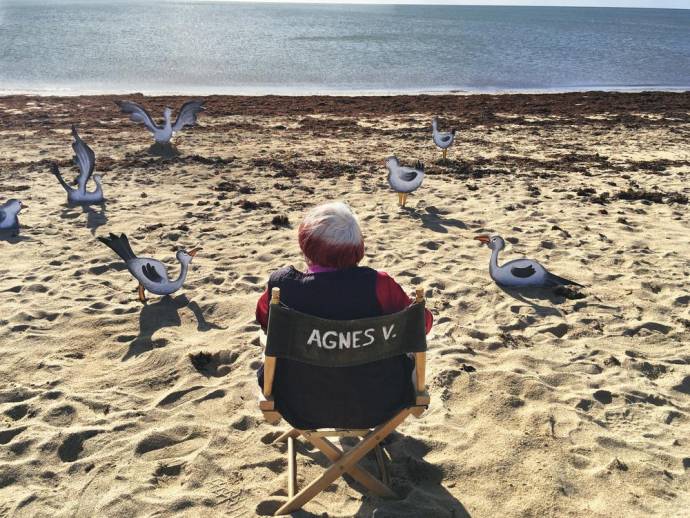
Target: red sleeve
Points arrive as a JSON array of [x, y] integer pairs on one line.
[[392, 297], [262, 310]]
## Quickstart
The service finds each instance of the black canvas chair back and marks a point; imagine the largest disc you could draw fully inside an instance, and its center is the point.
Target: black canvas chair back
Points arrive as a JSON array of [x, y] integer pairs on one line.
[[343, 344]]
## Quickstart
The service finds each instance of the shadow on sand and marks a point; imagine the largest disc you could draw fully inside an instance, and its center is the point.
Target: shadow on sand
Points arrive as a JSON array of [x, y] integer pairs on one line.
[[167, 150], [418, 483], [13, 236], [529, 295], [433, 219], [94, 217], [164, 313]]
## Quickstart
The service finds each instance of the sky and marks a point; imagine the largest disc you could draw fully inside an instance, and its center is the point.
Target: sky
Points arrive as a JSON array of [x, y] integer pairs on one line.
[[659, 4]]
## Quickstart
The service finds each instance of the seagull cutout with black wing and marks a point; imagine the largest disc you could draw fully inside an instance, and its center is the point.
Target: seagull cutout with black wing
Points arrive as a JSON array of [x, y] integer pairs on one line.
[[520, 273], [442, 139], [151, 273], [404, 180]]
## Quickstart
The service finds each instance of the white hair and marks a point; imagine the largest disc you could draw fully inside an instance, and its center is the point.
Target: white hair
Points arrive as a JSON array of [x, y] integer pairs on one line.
[[334, 223]]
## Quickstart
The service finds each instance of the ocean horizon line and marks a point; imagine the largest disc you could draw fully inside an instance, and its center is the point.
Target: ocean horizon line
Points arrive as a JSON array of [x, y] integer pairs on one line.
[[268, 92]]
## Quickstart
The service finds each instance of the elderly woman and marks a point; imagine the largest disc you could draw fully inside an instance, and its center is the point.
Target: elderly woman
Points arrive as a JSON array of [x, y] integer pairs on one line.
[[335, 287]]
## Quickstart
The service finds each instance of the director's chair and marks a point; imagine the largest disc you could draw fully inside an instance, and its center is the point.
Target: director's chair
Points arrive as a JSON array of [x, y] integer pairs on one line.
[[291, 335]]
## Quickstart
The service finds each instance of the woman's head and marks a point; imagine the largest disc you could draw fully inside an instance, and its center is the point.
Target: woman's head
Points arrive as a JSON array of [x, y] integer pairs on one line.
[[330, 236]]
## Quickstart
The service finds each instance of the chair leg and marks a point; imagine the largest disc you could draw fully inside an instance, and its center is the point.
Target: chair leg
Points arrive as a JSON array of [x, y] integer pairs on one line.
[[344, 464], [383, 465], [292, 467]]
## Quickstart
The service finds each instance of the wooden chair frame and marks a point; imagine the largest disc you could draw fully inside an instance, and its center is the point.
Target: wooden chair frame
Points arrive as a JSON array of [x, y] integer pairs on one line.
[[343, 461]]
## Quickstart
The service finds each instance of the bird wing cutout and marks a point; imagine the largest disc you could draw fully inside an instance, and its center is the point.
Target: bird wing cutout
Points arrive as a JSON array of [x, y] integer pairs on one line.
[[151, 273], [187, 115], [84, 158], [523, 273], [137, 113]]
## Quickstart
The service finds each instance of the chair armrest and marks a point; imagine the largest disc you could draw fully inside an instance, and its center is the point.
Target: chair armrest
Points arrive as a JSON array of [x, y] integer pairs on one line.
[[267, 407]]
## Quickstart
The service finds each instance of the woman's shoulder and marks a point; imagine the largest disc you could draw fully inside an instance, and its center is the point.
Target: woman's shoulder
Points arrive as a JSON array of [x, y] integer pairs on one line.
[[286, 272]]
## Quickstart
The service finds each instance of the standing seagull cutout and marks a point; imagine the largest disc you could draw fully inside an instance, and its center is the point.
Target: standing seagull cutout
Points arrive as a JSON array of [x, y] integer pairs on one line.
[[163, 134], [151, 274], [9, 216], [403, 179], [442, 139], [520, 273], [85, 159]]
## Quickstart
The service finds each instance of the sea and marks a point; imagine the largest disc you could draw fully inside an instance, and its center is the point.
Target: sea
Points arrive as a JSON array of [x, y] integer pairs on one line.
[[205, 47]]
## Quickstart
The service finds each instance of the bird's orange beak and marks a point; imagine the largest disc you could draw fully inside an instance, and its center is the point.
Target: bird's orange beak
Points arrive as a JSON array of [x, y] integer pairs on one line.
[[193, 251], [482, 239]]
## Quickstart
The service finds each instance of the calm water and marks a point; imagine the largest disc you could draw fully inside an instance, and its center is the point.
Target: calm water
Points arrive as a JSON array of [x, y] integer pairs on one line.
[[155, 47]]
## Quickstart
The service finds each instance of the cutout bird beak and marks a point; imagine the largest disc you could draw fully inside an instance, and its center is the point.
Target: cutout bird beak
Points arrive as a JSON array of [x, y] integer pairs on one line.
[[193, 251], [482, 239]]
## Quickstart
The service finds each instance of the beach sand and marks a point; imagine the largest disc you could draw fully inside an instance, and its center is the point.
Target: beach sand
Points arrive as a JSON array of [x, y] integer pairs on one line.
[[541, 404]]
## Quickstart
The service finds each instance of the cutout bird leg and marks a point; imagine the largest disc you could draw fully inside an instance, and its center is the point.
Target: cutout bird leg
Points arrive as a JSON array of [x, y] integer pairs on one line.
[[142, 294], [445, 151]]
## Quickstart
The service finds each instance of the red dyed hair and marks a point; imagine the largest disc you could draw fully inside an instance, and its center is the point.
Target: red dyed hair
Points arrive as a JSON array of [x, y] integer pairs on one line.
[[330, 236]]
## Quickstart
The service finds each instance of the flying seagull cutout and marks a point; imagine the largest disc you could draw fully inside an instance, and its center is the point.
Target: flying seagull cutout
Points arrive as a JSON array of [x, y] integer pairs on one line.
[[164, 133]]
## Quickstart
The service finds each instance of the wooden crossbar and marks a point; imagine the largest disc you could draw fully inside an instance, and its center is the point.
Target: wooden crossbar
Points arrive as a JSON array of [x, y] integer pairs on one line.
[[333, 453], [344, 464]]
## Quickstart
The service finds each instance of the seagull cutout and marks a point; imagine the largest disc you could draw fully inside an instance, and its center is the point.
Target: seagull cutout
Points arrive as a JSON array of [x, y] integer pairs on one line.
[[163, 134], [404, 180], [442, 139], [85, 159], [520, 273], [151, 274], [9, 216]]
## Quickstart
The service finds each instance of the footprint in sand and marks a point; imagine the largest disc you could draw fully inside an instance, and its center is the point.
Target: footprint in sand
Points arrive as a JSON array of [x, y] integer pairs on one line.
[[214, 365], [174, 442], [72, 447], [60, 415], [10, 433], [17, 412], [244, 423]]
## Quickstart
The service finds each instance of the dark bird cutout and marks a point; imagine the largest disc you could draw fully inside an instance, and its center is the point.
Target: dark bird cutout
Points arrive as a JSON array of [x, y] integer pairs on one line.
[[445, 139], [151, 273], [523, 273], [408, 176], [2, 215]]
